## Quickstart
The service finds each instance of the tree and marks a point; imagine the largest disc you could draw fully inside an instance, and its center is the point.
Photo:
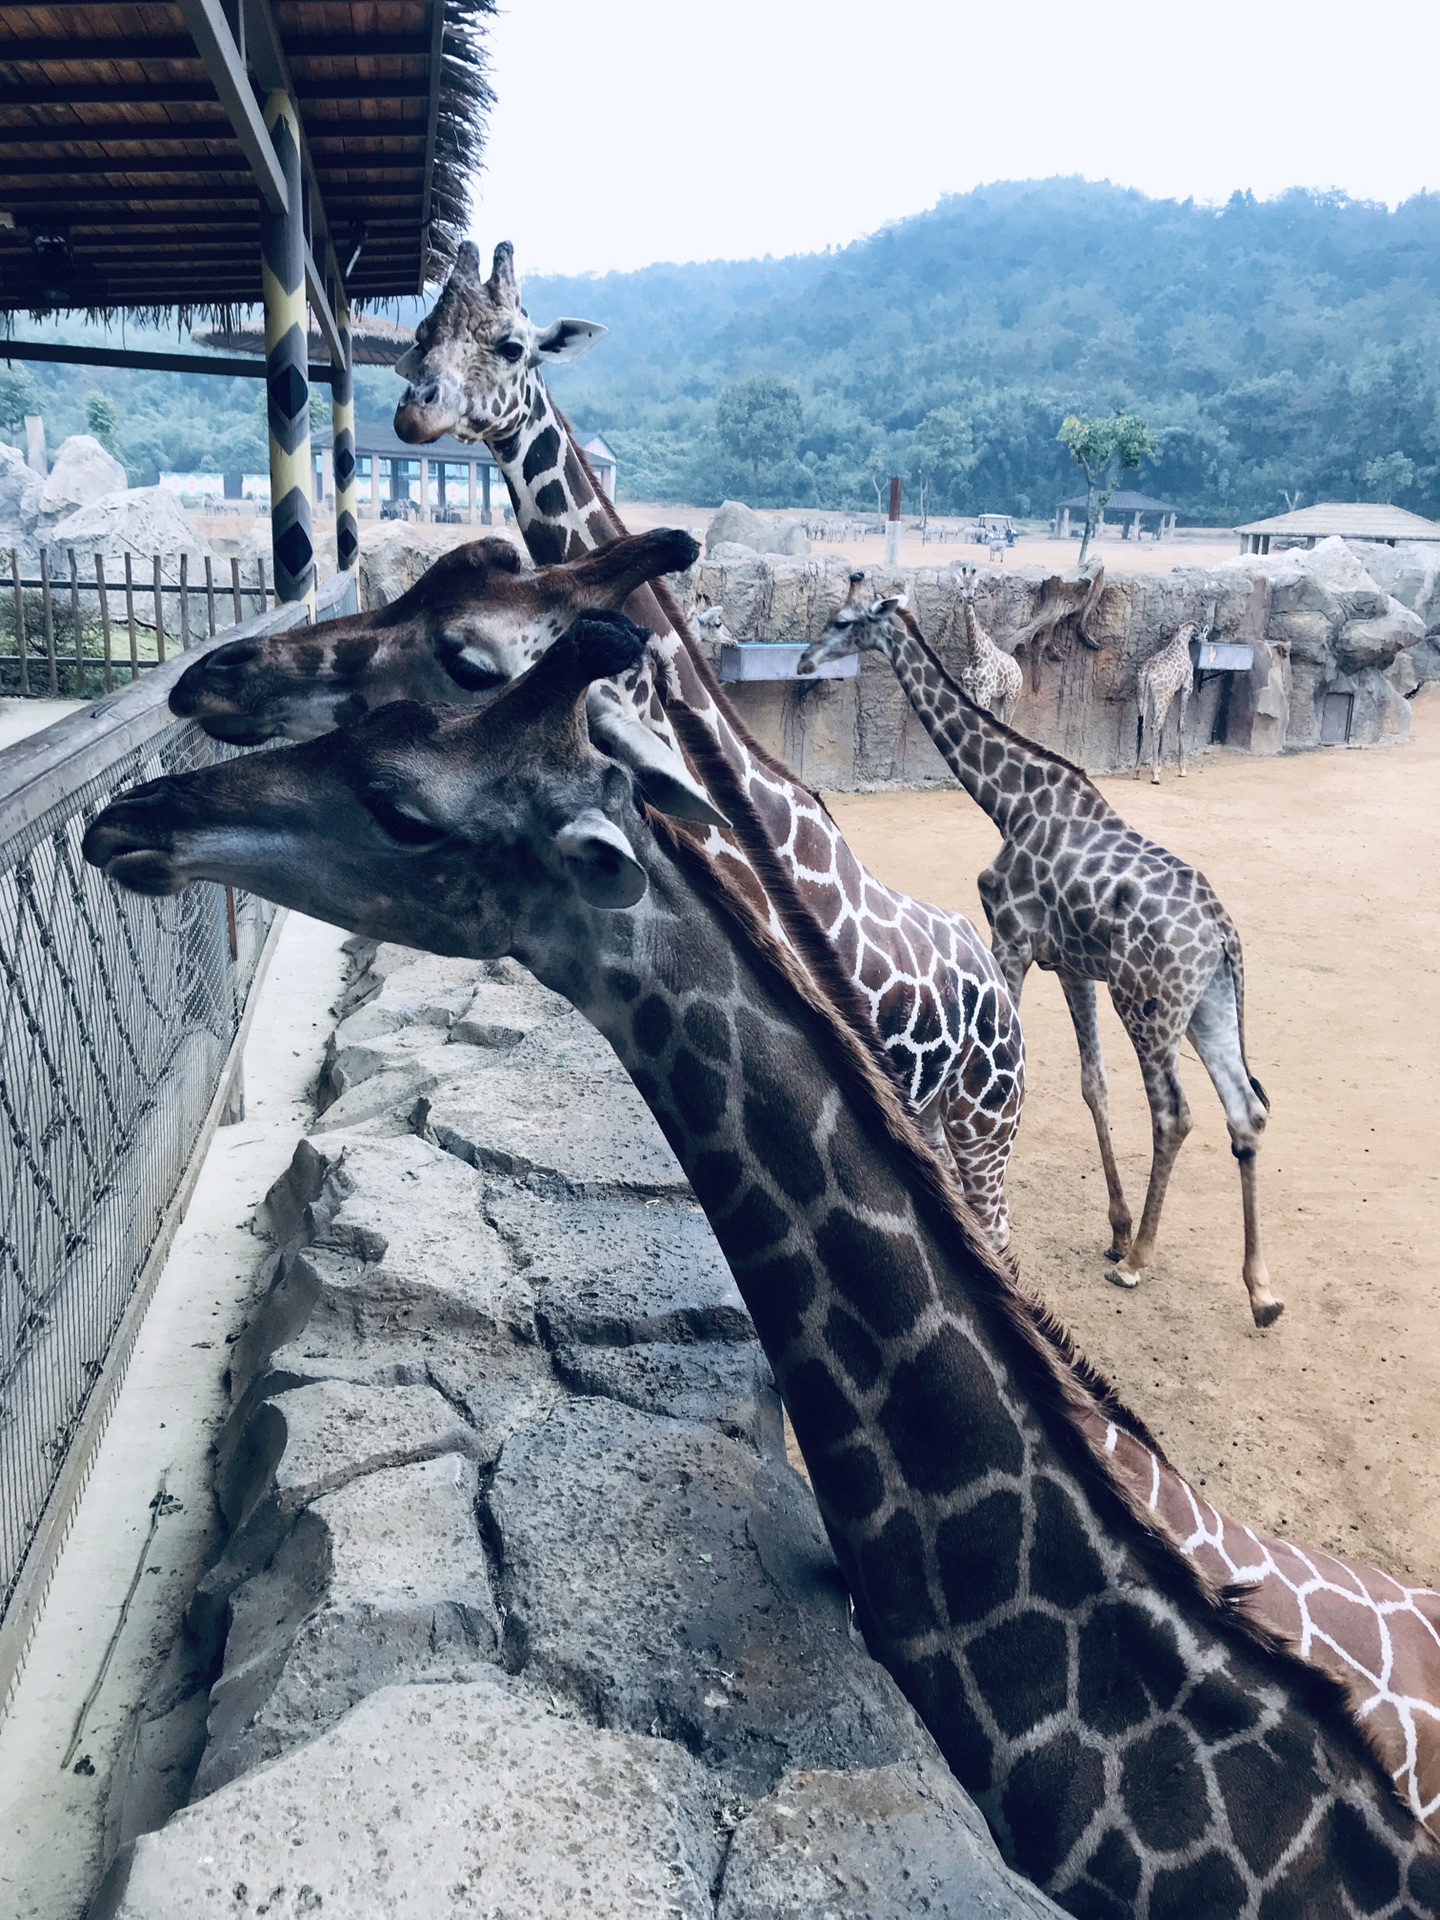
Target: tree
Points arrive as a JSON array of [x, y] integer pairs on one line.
[[941, 455], [102, 417], [758, 422], [19, 395], [1105, 449], [1389, 478]]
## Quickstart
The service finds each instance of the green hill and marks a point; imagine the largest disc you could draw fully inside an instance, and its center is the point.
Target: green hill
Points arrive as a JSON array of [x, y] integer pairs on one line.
[[1282, 346]]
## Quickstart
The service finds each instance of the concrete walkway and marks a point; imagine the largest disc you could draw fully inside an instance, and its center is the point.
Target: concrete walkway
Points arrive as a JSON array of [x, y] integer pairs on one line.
[[161, 1432]]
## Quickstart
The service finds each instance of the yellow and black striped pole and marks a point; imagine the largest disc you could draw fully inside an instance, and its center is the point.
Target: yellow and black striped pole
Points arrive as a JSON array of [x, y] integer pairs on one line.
[[287, 370], [347, 491]]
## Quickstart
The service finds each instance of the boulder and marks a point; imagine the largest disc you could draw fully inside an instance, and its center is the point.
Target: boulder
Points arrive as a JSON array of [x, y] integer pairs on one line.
[[1375, 640], [672, 1580], [890, 1843], [735, 524], [20, 488], [82, 471], [730, 1388], [143, 521], [447, 1800]]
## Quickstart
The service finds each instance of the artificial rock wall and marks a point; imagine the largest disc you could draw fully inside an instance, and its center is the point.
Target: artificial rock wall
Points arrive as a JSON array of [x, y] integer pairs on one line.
[[522, 1609], [1356, 623]]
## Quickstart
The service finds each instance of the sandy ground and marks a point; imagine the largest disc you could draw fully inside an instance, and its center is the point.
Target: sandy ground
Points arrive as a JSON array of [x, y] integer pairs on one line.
[[1326, 1425], [51, 1820], [1192, 547]]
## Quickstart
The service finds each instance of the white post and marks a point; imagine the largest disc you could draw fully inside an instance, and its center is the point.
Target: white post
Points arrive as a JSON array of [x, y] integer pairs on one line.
[[35, 444], [424, 487], [1064, 523], [474, 511]]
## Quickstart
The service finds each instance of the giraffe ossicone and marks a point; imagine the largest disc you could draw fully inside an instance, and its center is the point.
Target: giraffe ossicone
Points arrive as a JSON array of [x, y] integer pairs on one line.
[[1137, 1744], [1077, 891], [928, 983]]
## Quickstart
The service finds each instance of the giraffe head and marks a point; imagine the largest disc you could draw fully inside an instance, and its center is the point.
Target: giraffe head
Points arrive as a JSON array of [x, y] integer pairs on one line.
[[965, 591], [475, 354], [440, 827], [861, 624], [474, 621]]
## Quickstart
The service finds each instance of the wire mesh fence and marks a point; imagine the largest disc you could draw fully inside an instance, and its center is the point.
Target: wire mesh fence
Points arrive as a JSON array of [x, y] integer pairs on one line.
[[117, 1017]]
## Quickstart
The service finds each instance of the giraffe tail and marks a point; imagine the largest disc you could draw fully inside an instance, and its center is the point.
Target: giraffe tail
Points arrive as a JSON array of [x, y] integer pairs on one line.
[[1235, 960]]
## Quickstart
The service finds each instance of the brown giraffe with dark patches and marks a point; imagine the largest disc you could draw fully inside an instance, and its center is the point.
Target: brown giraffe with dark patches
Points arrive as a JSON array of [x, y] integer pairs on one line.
[[1137, 1746], [930, 987], [477, 619], [1077, 891]]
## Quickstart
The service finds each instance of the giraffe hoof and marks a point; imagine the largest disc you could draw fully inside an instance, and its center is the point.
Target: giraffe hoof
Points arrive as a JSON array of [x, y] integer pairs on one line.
[[1267, 1312], [1124, 1276]]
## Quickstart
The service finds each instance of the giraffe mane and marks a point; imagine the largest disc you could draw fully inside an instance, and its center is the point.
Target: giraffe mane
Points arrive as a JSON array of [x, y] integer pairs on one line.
[[1061, 1383]]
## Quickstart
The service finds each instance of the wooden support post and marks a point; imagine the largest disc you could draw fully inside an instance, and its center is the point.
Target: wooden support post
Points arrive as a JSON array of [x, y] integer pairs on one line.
[[48, 612], [20, 623], [473, 465], [347, 491], [486, 517], [424, 488], [184, 603], [130, 619], [892, 524], [104, 594], [75, 622], [159, 613], [287, 372], [209, 596], [235, 590], [260, 581]]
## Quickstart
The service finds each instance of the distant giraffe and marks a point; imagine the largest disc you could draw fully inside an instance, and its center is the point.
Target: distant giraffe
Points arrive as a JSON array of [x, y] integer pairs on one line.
[[991, 678], [1076, 890], [1163, 675]]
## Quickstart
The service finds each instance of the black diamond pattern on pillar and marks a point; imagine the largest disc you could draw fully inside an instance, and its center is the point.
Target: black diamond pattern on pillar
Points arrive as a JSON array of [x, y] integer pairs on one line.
[[347, 543], [344, 464], [293, 549], [288, 392]]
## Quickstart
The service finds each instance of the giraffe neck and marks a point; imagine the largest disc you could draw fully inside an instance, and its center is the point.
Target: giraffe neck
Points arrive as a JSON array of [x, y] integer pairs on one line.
[[1060, 1653], [558, 509], [997, 768], [975, 636]]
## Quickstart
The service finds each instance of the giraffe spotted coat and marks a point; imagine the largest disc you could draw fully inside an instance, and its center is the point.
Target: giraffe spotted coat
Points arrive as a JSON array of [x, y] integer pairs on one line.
[[1166, 674]]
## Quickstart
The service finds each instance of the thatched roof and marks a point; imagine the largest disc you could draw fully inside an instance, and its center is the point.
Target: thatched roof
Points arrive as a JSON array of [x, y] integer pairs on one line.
[[1123, 502], [374, 341], [128, 187], [1356, 520]]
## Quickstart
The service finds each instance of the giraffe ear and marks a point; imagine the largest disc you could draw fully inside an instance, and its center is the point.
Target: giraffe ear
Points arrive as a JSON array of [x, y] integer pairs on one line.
[[601, 861], [568, 339], [882, 609], [662, 776]]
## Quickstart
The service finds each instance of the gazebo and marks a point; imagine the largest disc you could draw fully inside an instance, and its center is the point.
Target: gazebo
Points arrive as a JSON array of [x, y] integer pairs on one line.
[[194, 157], [1132, 510], [1356, 520]]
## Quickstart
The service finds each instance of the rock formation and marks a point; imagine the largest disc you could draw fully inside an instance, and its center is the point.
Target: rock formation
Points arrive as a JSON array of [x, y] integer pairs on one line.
[[82, 471], [522, 1607], [737, 525]]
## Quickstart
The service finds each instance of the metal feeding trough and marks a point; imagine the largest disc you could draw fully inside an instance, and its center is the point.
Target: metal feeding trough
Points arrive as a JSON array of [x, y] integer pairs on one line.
[[777, 660], [1222, 656]]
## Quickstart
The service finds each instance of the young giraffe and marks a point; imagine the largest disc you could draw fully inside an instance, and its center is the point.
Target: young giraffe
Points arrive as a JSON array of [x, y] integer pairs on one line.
[[1077, 891], [928, 981], [991, 678], [1138, 1747], [1163, 675]]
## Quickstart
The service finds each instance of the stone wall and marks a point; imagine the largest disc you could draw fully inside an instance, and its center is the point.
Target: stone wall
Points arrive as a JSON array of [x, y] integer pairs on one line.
[[1319, 623], [522, 1608]]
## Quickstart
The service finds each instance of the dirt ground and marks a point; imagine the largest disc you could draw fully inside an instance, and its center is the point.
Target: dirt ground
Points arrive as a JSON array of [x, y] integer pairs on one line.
[[1191, 547], [1326, 1426]]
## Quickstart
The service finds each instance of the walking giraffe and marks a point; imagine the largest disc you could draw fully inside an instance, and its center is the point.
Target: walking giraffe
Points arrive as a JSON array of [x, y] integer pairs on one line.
[[1078, 892], [1138, 1744], [991, 678], [1165, 674], [927, 978]]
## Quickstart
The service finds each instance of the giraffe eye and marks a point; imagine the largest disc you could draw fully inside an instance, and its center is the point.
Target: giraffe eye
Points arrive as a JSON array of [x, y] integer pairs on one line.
[[410, 829], [510, 350]]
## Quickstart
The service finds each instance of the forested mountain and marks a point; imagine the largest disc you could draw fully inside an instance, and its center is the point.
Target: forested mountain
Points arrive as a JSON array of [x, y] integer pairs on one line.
[[1283, 346]]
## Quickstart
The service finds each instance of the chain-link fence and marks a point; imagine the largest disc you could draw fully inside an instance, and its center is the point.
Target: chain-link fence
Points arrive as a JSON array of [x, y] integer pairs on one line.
[[117, 1017]]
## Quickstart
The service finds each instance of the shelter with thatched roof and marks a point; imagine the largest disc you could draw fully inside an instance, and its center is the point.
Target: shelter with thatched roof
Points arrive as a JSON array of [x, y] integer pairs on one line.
[[1356, 520], [190, 158]]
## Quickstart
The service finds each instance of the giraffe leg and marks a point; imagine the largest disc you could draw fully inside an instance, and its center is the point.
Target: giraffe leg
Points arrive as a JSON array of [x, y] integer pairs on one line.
[[1157, 740], [1169, 1123], [1095, 1091], [1140, 734], [1215, 1035], [1184, 698]]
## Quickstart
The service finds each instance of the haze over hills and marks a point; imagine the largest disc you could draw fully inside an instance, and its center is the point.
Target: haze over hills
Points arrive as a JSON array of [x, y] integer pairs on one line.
[[1290, 345]]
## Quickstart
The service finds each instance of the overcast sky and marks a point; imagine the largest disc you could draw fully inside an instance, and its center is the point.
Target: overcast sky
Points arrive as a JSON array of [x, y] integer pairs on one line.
[[628, 131]]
